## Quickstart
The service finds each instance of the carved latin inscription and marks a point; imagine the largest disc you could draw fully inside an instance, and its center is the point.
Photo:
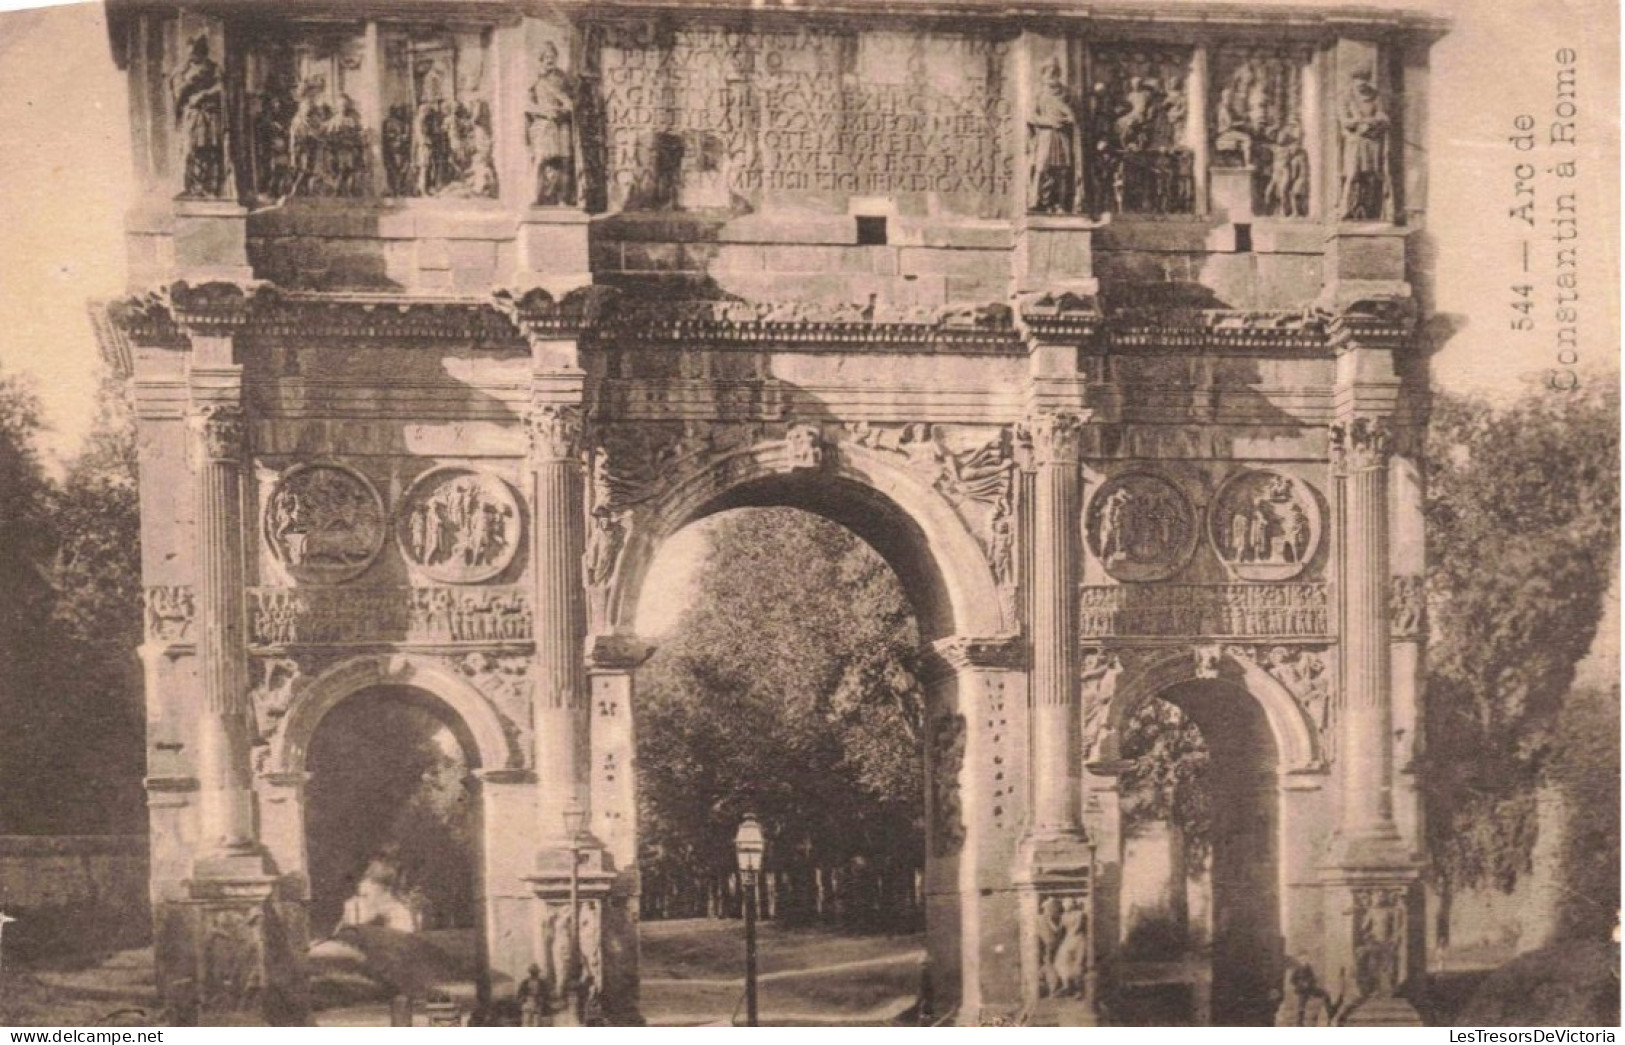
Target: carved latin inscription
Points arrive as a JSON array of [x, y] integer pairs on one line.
[[699, 115]]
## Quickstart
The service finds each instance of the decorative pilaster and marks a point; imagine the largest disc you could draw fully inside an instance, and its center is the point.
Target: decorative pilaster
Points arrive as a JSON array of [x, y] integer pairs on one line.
[[560, 710]]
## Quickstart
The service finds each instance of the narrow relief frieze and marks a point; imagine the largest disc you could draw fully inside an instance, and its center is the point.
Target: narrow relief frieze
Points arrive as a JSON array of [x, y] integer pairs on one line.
[[324, 616], [1297, 610]]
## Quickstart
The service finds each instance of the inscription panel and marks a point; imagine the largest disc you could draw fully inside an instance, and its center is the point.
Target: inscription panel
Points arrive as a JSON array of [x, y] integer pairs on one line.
[[699, 116]]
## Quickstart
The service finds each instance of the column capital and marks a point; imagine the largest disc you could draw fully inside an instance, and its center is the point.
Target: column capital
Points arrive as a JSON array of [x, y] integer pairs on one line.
[[221, 430], [1359, 443], [953, 654], [554, 430], [616, 652], [1055, 438]]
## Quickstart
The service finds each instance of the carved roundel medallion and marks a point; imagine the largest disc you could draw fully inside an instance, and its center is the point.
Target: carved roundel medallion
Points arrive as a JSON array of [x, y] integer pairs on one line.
[[1265, 526], [324, 522], [459, 526], [1141, 527]]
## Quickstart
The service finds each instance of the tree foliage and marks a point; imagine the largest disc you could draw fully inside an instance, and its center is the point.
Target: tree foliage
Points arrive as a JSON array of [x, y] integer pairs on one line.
[[787, 687], [26, 545], [70, 683], [1523, 523], [1167, 778], [387, 784]]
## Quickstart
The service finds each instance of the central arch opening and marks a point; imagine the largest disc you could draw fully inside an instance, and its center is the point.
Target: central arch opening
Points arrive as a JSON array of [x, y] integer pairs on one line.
[[392, 829], [1201, 930], [787, 684]]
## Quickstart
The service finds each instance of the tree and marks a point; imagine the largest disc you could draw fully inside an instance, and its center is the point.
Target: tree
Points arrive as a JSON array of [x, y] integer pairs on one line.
[[96, 624], [1522, 512], [73, 750], [787, 687], [27, 769], [1167, 778]]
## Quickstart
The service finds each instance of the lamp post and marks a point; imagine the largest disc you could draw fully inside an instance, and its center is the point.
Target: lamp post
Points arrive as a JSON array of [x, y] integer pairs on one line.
[[575, 818], [749, 845]]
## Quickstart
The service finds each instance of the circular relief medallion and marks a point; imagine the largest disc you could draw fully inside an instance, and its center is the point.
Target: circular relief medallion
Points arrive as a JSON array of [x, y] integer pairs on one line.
[[1265, 526], [459, 525], [324, 523], [1141, 527]]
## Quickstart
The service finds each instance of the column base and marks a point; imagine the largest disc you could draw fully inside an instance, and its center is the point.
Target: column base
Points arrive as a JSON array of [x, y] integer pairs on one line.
[[1383, 1012], [1379, 850], [219, 871], [1062, 1012]]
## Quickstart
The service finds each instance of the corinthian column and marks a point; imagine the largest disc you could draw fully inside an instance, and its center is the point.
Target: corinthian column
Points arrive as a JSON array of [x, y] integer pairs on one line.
[[224, 768], [1360, 461], [560, 710], [1057, 763], [1372, 897]]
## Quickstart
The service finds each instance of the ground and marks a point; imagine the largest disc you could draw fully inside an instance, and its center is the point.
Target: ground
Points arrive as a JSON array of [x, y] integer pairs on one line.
[[693, 975]]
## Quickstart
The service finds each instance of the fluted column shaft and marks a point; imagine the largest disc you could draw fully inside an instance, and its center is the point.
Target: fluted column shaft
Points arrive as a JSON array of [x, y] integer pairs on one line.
[[1057, 769], [224, 767], [1360, 456], [560, 708]]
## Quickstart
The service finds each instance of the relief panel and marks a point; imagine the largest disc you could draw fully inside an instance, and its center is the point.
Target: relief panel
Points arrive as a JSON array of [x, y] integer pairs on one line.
[[1258, 123], [1265, 526], [1141, 527], [458, 526], [324, 523]]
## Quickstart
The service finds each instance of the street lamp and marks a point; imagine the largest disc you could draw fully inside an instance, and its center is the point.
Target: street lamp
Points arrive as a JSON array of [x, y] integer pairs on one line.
[[575, 819], [749, 845]]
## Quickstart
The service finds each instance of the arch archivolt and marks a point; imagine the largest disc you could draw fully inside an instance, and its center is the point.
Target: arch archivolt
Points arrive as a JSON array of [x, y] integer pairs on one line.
[[902, 487], [1291, 685], [486, 724]]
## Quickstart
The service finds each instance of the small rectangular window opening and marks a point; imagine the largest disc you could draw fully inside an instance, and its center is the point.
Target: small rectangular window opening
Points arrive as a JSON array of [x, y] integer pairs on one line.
[[871, 230], [1244, 238]]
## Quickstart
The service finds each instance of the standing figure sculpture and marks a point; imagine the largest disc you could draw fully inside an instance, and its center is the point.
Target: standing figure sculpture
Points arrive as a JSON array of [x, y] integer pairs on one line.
[[200, 113], [347, 143], [1053, 127], [398, 150], [550, 131], [1366, 191]]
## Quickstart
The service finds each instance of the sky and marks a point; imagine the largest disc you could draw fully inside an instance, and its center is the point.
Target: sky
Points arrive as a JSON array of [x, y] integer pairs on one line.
[[65, 175]]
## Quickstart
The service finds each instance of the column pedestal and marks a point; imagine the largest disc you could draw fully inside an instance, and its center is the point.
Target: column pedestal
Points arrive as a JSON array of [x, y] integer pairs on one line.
[[1059, 971], [575, 978]]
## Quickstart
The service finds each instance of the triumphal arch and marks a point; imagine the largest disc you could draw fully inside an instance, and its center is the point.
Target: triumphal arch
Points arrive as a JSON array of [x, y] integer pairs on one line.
[[1100, 322]]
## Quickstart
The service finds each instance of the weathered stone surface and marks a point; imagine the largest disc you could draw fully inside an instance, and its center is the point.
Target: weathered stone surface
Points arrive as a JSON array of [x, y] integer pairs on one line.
[[1102, 370]]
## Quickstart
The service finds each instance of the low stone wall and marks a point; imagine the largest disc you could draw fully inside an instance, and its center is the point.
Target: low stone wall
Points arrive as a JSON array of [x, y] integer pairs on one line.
[[73, 894]]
